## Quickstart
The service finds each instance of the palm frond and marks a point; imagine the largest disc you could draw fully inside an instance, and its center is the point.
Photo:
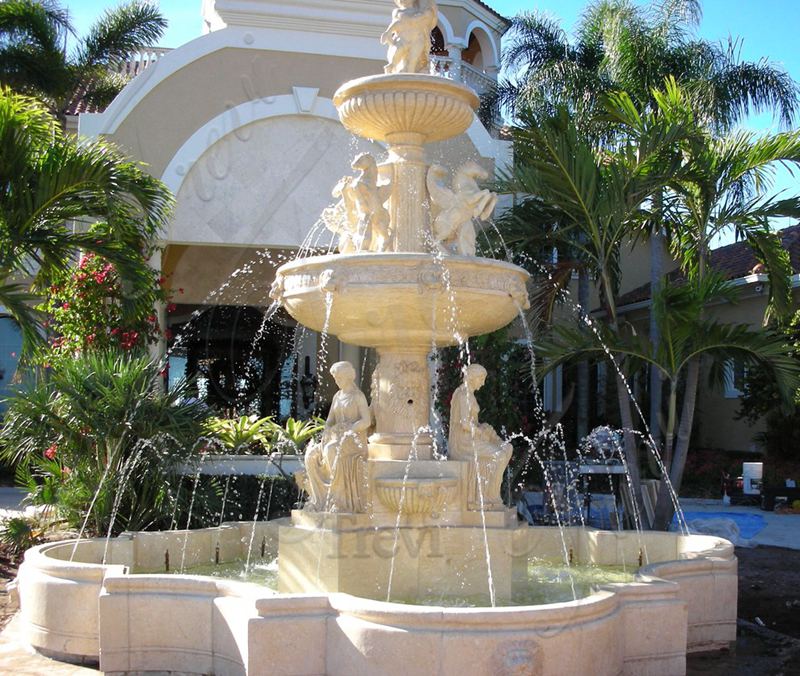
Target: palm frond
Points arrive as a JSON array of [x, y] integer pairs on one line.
[[120, 32]]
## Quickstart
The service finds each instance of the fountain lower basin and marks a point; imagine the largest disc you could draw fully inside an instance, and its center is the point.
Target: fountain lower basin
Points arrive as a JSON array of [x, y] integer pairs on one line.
[[396, 299], [683, 599]]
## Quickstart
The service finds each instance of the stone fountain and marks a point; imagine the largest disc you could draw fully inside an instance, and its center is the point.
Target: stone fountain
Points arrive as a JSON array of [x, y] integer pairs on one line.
[[386, 516], [406, 280]]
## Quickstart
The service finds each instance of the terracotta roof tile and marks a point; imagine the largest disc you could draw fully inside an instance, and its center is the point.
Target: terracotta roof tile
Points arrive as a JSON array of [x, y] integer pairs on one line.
[[733, 261], [493, 11]]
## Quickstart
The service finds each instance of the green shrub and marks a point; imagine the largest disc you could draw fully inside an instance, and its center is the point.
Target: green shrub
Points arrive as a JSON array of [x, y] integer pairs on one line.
[[101, 437], [243, 435]]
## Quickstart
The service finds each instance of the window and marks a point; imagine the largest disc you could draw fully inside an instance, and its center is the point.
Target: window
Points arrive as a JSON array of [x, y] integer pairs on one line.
[[10, 347], [602, 389], [552, 390], [735, 375]]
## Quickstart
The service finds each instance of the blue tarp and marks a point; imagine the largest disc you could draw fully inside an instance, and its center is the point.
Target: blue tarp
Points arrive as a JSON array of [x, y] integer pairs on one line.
[[749, 525]]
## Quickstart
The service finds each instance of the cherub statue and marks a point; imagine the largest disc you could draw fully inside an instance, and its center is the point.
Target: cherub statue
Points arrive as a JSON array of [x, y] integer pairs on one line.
[[453, 229], [360, 218], [409, 36], [334, 474], [476, 443]]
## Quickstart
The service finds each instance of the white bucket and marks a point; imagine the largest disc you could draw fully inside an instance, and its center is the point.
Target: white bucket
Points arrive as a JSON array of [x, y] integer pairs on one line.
[[752, 473]]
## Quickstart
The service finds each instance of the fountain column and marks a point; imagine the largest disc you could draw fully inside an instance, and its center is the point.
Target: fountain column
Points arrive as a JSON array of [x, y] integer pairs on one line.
[[409, 207], [401, 405]]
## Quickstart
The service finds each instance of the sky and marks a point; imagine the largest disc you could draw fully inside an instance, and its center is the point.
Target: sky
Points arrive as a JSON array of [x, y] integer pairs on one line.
[[766, 29]]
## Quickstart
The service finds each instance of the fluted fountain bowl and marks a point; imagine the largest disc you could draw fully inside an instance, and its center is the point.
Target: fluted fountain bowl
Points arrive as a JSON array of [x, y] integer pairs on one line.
[[383, 107], [392, 299], [411, 497]]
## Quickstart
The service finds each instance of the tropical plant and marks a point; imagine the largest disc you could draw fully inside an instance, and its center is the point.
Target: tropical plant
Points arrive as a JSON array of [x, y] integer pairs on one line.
[[598, 193], [19, 533], [295, 434], [86, 310], [687, 338], [620, 45], [245, 434], [102, 441], [60, 197], [762, 401], [725, 188], [34, 59]]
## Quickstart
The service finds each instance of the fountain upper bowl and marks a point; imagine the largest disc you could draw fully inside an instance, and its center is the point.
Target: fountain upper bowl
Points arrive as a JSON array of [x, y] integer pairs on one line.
[[391, 299], [389, 107]]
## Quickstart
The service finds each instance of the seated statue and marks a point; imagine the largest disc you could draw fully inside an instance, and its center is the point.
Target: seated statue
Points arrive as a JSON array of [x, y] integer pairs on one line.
[[335, 471], [477, 443], [409, 36]]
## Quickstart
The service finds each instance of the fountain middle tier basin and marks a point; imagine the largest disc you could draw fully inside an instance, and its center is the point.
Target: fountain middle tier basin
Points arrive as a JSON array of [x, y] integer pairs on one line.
[[132, 620], [392, 107], [402, 299]]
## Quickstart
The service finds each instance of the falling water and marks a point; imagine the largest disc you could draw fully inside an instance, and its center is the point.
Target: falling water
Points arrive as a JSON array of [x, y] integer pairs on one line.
[[255, 517], [191, 509], [412, 457]]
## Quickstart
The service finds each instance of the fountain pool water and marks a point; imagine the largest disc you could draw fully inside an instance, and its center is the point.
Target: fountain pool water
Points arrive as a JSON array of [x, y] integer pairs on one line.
[[401, 562]]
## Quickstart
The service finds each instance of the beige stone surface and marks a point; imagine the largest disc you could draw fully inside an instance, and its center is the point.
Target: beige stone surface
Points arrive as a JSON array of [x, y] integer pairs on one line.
[[17, 658], [181, 623], [239, 76]]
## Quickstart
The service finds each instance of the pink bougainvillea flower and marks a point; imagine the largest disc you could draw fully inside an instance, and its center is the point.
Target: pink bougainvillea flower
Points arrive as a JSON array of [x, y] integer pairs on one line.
[[51, 451]]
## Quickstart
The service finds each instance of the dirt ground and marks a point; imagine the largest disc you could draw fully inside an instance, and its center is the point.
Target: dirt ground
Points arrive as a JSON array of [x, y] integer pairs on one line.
[[769, 615], [8, 571], [768, 642]]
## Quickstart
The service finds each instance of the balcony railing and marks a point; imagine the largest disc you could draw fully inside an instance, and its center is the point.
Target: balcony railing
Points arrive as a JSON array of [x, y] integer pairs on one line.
[[461, 71], [142, 59]]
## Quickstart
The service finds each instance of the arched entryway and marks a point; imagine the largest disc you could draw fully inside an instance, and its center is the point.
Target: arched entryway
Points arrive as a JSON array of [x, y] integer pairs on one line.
[[240, 363]]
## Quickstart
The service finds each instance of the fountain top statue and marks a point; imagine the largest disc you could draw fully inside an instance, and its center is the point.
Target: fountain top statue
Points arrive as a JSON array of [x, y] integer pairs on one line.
[[408, 36]]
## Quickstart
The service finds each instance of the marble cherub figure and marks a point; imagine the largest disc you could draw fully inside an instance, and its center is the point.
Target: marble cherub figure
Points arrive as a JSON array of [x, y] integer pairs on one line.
[[477, 443], [335, 471], [409, 36], [456, 208], [360, 218]]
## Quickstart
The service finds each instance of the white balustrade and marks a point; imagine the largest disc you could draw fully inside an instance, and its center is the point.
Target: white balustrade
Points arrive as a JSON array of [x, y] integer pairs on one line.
[[140, 60], [461, 71]]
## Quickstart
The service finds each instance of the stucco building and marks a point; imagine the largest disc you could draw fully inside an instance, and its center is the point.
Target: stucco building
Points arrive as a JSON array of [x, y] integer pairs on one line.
[[240, 125]]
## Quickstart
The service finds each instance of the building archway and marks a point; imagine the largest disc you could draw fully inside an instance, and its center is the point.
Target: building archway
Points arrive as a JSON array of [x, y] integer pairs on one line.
[[481, 51], [237, 359]]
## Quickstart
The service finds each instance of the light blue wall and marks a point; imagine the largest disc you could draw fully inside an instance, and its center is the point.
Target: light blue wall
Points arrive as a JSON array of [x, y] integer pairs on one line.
[[10, 345]]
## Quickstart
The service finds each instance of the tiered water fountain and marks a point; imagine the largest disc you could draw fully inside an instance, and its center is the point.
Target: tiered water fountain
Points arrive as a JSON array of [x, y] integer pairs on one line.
[[406, 280], [387, 518]]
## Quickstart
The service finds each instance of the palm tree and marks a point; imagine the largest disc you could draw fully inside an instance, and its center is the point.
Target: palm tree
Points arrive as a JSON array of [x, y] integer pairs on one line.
[[645, 45], [687, 338], [724, 186], [34, 58], [60, 196], [621, 45], [106, 417], [597, 192]]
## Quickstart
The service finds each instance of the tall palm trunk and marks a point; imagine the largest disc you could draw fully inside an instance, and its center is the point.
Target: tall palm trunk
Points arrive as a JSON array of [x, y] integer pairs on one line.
[[629, 447], [665, 508], [582, 424], [625, 409], [656, 277]]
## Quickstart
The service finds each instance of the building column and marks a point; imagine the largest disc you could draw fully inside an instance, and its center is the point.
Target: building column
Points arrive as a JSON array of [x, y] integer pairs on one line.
[[454, 52], [158, 350]]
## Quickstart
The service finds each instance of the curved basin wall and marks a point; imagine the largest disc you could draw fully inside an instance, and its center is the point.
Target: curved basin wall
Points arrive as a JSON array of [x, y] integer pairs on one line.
[[685, 597]]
